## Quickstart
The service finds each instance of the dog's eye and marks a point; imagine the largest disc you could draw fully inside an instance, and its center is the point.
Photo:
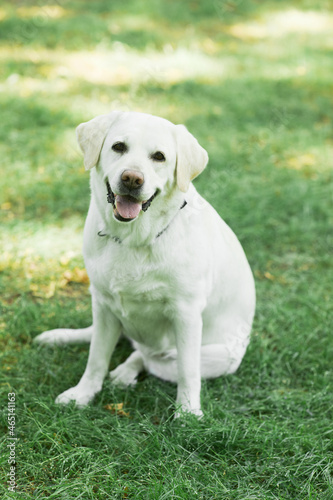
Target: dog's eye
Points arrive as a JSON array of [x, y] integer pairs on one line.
[[158, 156], [119, 147]]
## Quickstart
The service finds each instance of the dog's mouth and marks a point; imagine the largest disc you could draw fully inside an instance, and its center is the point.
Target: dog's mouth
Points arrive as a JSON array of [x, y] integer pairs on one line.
[[125, 207]]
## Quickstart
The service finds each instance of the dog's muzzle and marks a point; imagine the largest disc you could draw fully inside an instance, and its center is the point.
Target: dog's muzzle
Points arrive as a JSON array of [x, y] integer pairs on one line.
[[126, 207]]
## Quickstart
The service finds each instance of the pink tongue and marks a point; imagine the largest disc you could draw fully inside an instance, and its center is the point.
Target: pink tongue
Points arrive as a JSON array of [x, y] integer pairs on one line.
[[127, 208]]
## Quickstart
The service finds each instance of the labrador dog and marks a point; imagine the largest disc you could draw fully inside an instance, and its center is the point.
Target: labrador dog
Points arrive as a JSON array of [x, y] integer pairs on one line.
[[164, 268]]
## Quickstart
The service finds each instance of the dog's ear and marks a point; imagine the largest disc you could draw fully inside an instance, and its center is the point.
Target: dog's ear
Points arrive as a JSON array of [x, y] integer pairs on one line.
[[91, 135], [191, 158]]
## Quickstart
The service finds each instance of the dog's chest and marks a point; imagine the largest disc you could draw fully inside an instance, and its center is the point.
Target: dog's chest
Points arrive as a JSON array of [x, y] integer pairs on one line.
[[138, 287], [143, 307], [132, 295]]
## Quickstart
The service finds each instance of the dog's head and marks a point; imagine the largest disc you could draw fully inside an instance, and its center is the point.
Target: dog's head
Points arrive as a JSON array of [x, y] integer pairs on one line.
[[141, 157]]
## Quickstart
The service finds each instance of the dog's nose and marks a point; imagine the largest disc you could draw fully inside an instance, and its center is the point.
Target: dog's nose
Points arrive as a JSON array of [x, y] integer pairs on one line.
[[132, 179]]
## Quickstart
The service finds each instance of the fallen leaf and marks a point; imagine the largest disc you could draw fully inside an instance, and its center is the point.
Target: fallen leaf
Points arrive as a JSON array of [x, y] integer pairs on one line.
[[6, 206], [117, 408], [43, 291], [50, 291], [302, 161], [76, 276]]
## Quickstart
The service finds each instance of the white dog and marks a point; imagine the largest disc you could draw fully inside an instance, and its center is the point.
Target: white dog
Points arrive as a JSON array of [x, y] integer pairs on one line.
[[165, 270]]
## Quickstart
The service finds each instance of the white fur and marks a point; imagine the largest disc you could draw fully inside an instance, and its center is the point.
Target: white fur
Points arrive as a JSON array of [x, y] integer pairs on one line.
[[186, 297]]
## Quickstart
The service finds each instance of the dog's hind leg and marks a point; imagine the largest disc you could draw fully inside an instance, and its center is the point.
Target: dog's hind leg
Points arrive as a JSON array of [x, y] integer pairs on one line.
[[221, 359], [126, 373], [65, 336], [215, 360]]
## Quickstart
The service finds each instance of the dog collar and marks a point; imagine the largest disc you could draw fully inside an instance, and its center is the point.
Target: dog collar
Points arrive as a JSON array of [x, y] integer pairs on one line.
[[111, 199], [163, 230]]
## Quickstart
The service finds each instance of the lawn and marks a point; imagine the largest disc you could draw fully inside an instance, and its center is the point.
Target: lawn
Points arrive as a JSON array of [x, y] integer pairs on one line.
[[253, 82]]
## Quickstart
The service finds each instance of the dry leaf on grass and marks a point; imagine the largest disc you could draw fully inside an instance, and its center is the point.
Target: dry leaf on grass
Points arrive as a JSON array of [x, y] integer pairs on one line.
[[43, 291], [117, 408], [75, 276]]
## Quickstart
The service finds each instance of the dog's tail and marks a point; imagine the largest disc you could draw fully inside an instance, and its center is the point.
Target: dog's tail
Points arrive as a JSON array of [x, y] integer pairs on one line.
[[65, 336]]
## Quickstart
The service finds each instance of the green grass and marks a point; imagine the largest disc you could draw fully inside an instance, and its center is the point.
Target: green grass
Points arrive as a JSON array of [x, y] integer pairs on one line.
[[253, 82]]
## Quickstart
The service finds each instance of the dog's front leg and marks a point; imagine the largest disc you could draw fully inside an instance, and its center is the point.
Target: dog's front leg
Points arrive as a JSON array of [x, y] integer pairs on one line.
[[188, 340], [106, 334]]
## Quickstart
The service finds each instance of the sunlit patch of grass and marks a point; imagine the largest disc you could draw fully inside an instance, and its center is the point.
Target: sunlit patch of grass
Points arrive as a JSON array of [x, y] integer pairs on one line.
[[281, 23], [42, 261], [40, 12], [115, 58]]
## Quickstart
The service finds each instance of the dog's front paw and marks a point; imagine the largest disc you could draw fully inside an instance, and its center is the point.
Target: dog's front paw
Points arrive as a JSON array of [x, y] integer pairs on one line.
[[185, 409], [76, 394]]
